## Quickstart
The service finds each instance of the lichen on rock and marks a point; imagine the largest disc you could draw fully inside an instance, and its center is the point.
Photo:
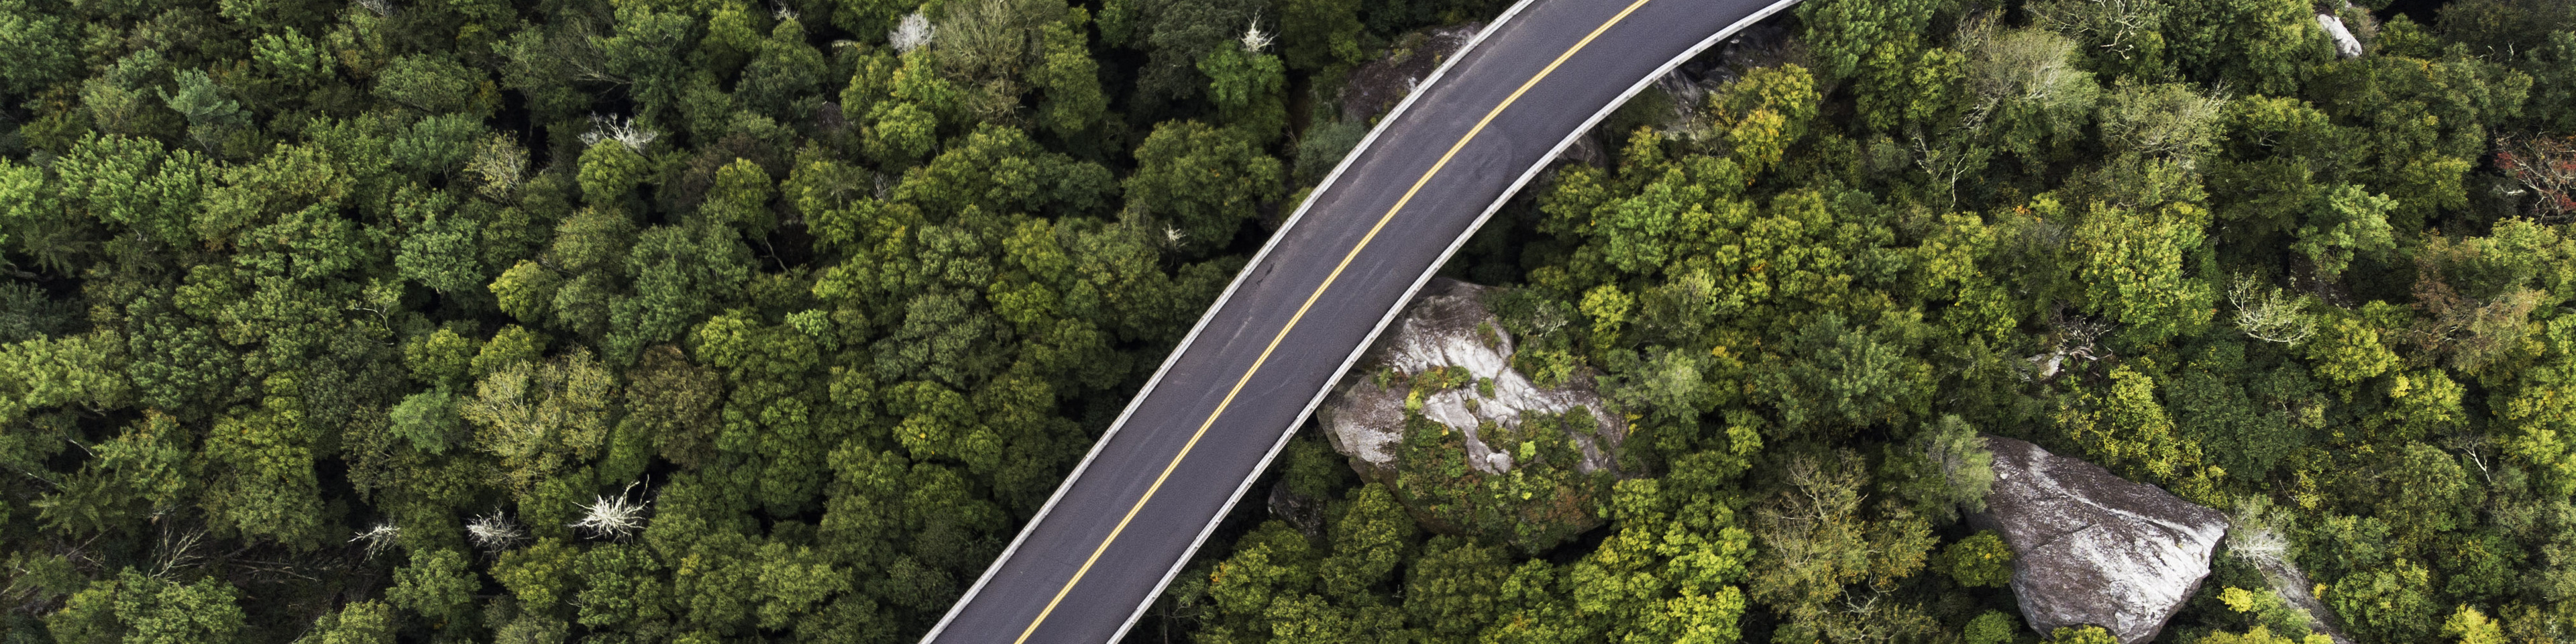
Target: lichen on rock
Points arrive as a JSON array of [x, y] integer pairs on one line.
[[1470, 444]]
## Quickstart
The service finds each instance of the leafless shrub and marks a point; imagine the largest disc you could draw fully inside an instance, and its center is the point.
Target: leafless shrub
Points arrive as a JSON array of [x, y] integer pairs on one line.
[[2033, 66], [178, 548], [2114, 26], [614, 517], [2071, 337], [2161, 120], [986, 46], [378, 538], [1254, 39], [2268, 314], [494, 532], [912, 33], [2470, 330], [2546, 168], [620, 129], [2254, 534]]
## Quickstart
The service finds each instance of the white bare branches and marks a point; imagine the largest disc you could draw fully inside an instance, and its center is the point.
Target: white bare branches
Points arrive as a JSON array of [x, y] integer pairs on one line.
[[614, 517], [2546, 167], [2170, 121], [2268, 314], [382, 8], [2071, 338], [1254, 39], [912, 33], [178, 548], [2030, 66], [620, 129], [2255, 533], [2116, 26], [494, 532], [378, 538]]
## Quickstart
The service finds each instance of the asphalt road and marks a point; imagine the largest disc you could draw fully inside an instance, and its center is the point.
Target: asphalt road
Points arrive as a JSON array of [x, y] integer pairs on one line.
[[1206, 425]]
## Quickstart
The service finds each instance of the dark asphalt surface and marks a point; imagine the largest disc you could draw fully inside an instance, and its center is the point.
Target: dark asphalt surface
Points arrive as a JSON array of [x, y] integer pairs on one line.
[[1271, 290]]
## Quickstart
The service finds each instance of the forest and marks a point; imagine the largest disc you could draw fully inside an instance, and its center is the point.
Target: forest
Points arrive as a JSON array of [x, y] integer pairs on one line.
[[719, 321]]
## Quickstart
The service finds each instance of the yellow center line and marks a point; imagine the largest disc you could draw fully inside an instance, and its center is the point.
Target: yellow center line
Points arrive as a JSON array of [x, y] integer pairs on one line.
[[1301, 314]]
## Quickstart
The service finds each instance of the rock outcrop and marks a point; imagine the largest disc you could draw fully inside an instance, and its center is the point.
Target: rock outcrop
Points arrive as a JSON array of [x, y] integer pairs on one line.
[[1376, 86], [2345, 44], [1470, 444], [2092, 548]]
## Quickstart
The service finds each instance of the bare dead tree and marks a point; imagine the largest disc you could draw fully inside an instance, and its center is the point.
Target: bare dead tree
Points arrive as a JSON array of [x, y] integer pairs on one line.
[[494, 532], [614, 517]]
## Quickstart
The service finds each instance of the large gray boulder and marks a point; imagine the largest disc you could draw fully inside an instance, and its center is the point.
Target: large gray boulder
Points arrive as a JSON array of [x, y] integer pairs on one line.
[[1447, 325], [2345, 44], [1446, 449], [2090, 547]]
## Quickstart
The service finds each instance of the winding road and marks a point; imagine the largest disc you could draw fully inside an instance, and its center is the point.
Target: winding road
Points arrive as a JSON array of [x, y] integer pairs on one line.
[[1128, 517]]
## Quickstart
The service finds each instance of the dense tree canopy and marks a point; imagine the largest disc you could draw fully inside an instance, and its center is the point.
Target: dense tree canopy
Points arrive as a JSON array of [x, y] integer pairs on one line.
[[644, 320]]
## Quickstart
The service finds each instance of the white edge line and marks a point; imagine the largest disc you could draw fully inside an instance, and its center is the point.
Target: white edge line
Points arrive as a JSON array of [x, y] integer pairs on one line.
[[1103, 442], [1434, 270]]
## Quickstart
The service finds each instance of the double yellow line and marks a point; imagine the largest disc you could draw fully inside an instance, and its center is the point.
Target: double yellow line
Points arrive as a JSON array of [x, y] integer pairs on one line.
[[1301, 313]]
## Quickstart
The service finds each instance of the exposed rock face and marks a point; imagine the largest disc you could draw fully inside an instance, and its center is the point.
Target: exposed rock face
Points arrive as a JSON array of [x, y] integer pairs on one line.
[[2345, 44], [2092, 548], [1493, 430], [1376, 86]]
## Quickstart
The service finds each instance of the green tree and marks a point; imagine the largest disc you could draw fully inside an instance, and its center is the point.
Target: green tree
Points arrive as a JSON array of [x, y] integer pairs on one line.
[[2469, 626], [440, 251], [292, 58], [1173, 34], [2263, 46], [133, 183], [2393, 601], [264, 484], [137, 609], [145, 472], [1849, 29], [366, 622], [1316, 34], [1817, 544], [786, 71], [1992, 627], [681, 275], [38, 45], [2131, 261], [609, 169], [540, 575], [2347, 223], [428, 420], [212, 117], [1453, 589], [429, 83], [2080, 635], [621, 587], [1201, 182], [542, 418], [1981, 560], [1368, 541], [2128, 430], [1249, 89]]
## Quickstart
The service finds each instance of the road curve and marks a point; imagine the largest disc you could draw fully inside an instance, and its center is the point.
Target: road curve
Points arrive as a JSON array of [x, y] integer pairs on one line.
[[1128, 517]]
